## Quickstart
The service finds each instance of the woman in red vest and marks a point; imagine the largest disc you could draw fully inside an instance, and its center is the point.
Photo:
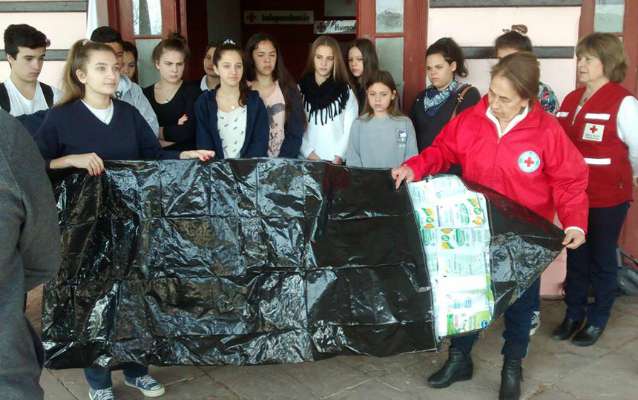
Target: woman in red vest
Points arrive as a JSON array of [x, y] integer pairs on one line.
[[509, 144], [601, 118]]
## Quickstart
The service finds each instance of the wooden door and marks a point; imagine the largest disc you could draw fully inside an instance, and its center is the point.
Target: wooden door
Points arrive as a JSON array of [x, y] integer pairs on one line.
[[144, 23]]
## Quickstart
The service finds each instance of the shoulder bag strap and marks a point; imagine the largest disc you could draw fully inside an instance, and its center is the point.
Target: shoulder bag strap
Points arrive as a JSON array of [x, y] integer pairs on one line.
[[459, 98]]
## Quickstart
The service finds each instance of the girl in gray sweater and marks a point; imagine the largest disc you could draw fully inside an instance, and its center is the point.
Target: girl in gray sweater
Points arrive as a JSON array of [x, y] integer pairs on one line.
[[381, 137]]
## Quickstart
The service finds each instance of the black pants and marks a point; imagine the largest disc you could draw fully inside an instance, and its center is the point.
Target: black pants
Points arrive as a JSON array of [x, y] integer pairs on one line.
[[518, 321], [595, 264]]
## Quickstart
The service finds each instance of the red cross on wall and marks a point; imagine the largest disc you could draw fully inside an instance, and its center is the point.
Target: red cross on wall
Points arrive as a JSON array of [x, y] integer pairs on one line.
[[529, 162], [251, 17]]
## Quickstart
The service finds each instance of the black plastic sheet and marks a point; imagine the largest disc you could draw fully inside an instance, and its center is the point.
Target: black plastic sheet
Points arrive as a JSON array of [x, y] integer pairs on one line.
[[253, 262]]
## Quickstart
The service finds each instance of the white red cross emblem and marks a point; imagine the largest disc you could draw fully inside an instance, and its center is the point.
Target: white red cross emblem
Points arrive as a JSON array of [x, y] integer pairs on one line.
[[593, 132], [529, 161]]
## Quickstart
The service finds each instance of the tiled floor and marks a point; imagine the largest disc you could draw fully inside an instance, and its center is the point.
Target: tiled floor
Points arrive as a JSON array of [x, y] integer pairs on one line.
[[553, 371]]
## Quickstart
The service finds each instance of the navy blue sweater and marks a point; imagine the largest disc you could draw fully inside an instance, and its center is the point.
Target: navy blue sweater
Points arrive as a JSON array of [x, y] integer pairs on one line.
[[257, 129], [73, 129], [295, 125]]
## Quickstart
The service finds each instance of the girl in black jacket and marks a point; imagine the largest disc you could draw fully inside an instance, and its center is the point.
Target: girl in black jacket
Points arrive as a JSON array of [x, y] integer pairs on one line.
[[445, 96], [171, 97]]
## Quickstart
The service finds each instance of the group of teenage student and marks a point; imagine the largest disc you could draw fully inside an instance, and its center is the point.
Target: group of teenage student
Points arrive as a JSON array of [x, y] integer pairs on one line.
[[248, 105]]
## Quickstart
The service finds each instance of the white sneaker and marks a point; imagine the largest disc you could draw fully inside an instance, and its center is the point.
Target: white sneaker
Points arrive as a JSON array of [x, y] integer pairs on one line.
[[146, 384], [536, 322], [101, 394]]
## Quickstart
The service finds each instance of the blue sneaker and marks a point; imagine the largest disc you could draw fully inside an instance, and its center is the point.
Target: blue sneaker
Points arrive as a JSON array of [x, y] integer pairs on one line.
[[101, 394], [147, 385]]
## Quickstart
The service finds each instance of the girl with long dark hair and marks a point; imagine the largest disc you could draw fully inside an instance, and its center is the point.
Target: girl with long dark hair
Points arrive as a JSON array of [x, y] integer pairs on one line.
[[267, 74], [362, 64]]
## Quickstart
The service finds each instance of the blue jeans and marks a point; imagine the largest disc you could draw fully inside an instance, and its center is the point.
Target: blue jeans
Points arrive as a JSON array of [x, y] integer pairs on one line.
[[595, 264], [100, 378], [518, 321]]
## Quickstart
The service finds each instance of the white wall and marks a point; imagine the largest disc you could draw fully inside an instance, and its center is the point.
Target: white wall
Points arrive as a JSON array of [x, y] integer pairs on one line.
[[63, 29], [547, 26]]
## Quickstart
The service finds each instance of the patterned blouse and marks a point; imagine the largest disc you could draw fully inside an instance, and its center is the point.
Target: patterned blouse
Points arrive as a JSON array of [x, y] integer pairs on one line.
[[547, 98], [232, 130]]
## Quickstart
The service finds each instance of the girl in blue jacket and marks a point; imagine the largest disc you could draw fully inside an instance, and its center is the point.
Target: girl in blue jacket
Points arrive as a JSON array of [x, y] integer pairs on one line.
[[231, 119]]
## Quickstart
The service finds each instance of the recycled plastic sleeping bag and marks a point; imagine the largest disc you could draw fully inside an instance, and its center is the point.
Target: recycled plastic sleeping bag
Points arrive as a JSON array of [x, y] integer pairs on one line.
[[269, 261]]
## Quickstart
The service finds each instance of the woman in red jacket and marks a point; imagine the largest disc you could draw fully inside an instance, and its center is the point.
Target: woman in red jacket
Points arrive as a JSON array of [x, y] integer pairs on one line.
[[601, 118], [509, 144]]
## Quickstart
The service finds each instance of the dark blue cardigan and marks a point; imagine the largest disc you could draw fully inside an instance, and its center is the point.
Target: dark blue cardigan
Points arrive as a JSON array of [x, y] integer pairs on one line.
[[295, 125], [257, 129]]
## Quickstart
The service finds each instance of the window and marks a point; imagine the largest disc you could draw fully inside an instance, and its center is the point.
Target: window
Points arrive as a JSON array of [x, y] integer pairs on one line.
[[609, 15]]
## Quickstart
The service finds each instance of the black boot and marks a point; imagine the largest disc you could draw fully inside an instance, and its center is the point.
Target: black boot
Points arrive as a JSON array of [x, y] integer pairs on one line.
[[588, 335], [458, 367], [511, 377], [566, 329]]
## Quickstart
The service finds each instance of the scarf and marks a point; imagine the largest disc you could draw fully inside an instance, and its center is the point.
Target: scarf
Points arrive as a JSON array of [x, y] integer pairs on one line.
[[434, 99], [324, 101]]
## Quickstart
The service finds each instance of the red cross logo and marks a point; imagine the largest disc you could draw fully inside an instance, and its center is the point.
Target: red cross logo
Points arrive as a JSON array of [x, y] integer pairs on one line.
[[593, 129], [251, 17], [528, 161]]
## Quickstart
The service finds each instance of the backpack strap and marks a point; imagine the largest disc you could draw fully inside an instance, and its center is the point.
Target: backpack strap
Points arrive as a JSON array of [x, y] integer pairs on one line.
[[5, 103], [459, 98], [48, 93]]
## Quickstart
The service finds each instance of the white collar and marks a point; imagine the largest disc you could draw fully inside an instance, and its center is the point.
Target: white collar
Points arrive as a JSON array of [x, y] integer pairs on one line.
[[9, 82], [521, 116], [103, 114], [204, 84]]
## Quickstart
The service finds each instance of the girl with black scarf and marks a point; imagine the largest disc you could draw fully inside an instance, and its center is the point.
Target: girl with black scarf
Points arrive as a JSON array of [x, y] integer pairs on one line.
[[329, 102]]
